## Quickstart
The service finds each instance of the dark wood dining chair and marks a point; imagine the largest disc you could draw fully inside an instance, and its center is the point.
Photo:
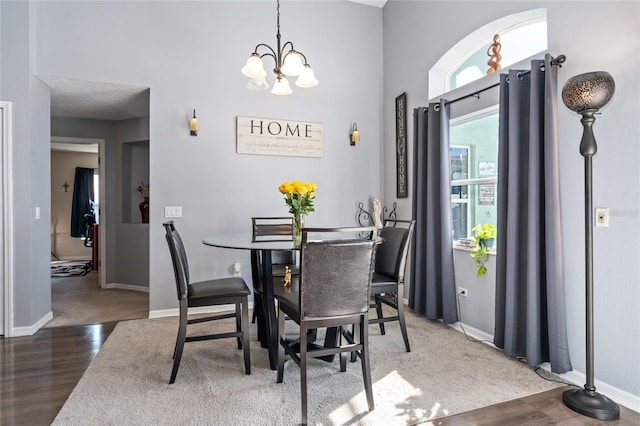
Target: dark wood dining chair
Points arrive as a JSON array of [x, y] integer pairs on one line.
[[221, 291], [387, 284], [332, 290], [275, 229]]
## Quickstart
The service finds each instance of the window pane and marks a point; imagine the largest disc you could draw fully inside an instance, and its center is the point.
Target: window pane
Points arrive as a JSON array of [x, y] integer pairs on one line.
[[474, 155], [516, 44]]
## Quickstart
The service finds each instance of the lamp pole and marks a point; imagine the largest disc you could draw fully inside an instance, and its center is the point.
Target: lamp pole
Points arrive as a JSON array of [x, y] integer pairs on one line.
[[586, 94]]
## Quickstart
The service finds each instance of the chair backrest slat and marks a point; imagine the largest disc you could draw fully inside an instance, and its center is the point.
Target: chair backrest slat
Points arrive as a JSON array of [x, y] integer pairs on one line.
[[275, 229], [335, 276], [391, 257], [178, 258], [265, 227]]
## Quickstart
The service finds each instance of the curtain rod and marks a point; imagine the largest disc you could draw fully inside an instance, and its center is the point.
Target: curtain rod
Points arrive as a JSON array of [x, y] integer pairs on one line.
[[556, 61]]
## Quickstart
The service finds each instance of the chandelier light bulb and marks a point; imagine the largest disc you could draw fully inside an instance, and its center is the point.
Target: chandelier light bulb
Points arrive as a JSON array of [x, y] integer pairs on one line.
[[292, 64], [281, 87], [307, 78], [254, 67], [257, 84]]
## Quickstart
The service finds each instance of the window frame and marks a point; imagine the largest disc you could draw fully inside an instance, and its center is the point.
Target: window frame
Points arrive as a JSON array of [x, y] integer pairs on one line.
[[440, 73]]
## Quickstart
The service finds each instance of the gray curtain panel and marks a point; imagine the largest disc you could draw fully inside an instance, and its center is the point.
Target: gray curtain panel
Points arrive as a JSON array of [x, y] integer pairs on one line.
[[433, 286], [530, 311], [82, 201]]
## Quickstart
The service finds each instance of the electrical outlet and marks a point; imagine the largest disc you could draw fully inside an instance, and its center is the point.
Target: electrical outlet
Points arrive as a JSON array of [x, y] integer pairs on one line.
[[463, 291], [602, 217]]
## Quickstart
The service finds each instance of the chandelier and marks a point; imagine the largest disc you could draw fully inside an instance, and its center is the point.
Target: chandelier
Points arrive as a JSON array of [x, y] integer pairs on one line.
[[292, 63]]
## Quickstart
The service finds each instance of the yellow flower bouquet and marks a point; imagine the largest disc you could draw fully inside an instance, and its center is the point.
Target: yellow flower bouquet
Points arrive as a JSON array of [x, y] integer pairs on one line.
[[299, 197]]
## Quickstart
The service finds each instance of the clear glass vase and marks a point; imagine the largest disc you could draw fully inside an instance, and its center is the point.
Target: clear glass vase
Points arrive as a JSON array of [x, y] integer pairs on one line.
[[298, 224]]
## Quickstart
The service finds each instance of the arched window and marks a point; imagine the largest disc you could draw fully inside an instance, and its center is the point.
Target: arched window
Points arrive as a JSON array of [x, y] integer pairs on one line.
[[522, 35], [474, 132]]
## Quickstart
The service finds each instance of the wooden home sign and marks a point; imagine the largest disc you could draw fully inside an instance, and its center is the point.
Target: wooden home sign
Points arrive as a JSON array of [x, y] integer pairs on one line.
[[401, 146], [267, 136]]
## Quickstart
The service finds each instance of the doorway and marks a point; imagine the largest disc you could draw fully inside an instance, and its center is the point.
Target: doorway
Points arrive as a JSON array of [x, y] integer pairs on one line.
[[86, 115], [66, 154]]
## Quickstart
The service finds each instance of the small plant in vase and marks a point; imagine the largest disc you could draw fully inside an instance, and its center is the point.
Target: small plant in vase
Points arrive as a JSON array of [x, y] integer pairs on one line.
[[299, 197], [484, 239]]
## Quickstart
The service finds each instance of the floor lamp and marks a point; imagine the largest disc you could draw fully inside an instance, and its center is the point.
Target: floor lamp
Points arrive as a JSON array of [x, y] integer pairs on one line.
[[586, 94]]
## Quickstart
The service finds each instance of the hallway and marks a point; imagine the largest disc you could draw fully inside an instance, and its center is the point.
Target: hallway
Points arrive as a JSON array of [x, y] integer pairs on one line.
[[77, 300]]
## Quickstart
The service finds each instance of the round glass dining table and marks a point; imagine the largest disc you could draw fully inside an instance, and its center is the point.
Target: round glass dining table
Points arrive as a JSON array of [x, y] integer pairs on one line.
[[263, 282]]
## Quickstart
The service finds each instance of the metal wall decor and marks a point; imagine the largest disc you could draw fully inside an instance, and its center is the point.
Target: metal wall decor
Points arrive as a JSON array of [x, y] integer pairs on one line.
[[365, 218]]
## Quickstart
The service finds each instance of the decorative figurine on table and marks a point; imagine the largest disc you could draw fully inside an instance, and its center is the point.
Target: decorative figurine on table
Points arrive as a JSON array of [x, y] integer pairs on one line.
[[494, 55], [286, 280], [377, 211]]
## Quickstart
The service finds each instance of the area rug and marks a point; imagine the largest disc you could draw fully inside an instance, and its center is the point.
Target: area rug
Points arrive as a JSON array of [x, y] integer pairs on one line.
[[444, 374], [67, 268]]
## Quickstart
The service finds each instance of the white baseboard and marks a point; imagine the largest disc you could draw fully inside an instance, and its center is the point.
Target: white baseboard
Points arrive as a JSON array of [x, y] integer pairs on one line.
[[473, 333], [161, 313], [74, 257], [620, 396], [30, 330], [140, 288]]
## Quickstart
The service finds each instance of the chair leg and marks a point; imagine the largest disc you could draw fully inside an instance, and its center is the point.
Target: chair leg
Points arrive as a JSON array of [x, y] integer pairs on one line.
[[343, 356], [239, 323], [355, 334], [303, 373], [281, 343], [244, 324], [379, 312], [366, 366], [182, 335], [403, 324]]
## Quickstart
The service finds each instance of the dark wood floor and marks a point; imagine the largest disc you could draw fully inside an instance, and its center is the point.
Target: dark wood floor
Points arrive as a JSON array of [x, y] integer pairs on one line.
[[39, 372]]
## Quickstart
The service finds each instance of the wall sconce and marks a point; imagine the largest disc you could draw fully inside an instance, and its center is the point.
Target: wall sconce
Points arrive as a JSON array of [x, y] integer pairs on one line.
[[355, 134], [194, 125]]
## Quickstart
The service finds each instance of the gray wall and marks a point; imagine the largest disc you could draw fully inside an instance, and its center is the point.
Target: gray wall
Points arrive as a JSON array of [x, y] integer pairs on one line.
[[127, 257], [190, 56], [30, 128], [132, 249], [593, 36], [477, 309]]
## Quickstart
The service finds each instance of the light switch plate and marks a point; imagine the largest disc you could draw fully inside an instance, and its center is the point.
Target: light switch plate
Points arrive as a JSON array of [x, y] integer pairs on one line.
[[173, 211]]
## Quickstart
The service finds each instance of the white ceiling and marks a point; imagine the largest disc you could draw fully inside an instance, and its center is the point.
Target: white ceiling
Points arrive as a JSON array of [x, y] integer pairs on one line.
[[376, 3], [96, 100], [109, 101]]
